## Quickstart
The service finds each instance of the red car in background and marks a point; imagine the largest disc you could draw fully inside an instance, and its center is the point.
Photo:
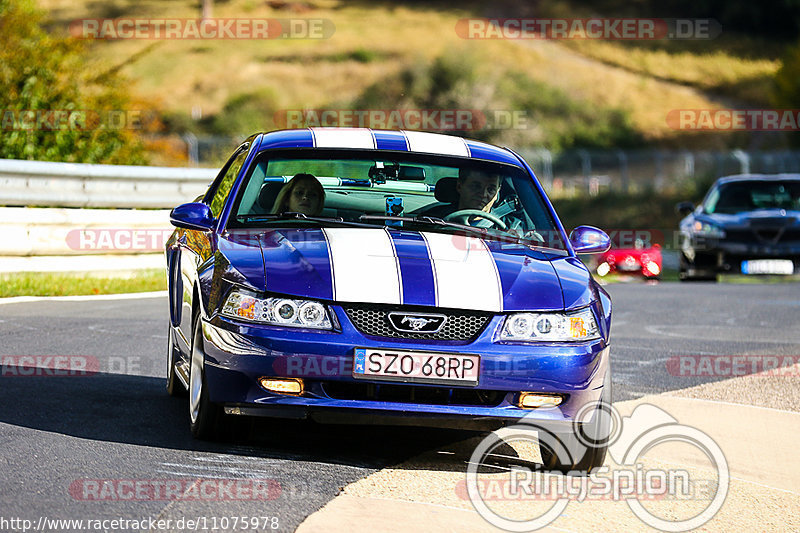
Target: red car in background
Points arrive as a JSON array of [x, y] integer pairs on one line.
[[640, 260]]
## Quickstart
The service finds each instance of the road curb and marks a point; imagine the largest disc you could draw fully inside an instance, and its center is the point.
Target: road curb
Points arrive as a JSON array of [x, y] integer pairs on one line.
[[84, 297], [756, 477]]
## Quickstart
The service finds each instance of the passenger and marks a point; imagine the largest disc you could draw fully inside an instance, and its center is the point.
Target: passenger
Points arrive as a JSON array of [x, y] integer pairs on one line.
[[303, 194]]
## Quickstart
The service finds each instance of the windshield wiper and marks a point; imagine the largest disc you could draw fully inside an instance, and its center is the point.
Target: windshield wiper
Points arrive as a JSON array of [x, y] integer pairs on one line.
[[499, 235], [431, 221], [291, 215]]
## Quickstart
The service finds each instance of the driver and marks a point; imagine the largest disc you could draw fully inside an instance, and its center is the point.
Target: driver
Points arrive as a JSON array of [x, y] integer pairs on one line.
[[476, 190]]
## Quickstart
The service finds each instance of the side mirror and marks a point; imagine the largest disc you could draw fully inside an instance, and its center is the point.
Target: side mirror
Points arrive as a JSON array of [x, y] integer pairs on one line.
[[684, 208], [589, 240], [194, 215]]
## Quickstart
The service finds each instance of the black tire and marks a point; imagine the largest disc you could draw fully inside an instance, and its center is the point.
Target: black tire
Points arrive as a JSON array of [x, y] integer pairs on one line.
[[587, 451], [683, 271], [174, 386], [205, 418]]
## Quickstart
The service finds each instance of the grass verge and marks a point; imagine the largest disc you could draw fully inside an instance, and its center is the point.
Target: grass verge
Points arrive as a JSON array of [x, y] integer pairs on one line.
[[79, 283]]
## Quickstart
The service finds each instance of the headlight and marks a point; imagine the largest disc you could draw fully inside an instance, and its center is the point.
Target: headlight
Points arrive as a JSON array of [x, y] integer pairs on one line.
[[278, 311], [579, 326], [706, 229]]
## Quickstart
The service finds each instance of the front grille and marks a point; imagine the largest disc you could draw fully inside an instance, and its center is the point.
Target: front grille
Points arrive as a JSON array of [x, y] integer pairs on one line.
[[769, 235], [412, 394], [762, 235], [374, 320]]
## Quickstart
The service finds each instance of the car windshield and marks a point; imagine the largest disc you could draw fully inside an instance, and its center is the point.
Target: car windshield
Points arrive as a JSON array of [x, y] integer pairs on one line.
[[397, 190], [741, 196]]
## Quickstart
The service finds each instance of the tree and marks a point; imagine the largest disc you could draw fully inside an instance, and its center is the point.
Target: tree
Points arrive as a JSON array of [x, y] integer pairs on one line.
[[54, 108]]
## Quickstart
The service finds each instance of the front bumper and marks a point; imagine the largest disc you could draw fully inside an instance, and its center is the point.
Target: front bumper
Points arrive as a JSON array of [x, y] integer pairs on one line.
[[725, 257], [238, 354]]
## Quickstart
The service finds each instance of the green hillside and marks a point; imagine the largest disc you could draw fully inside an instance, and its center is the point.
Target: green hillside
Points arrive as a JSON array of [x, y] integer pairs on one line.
[[408, 55]]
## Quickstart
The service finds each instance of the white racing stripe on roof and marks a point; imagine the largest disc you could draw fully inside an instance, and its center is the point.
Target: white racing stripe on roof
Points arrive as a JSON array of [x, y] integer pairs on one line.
[[466, 274], [433, 143], [343, 138], [364, 265]]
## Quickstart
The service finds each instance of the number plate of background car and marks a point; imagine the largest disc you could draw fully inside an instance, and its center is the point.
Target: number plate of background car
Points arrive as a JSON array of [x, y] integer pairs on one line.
[[768, 266], [416, 367]]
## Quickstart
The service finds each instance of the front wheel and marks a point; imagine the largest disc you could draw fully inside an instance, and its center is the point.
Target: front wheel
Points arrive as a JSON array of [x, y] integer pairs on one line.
[[585, 448], [204, 417], [687, 271], [174, 385]]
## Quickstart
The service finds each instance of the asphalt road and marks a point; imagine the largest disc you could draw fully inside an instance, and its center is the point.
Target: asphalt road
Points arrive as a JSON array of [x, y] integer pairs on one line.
[[62, 432]]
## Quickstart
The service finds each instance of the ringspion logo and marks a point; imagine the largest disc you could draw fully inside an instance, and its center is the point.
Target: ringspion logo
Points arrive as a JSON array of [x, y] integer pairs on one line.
[[632, 480]]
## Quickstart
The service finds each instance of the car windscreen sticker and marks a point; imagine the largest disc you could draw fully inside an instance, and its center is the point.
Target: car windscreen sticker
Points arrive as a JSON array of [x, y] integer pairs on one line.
[[466, 274]]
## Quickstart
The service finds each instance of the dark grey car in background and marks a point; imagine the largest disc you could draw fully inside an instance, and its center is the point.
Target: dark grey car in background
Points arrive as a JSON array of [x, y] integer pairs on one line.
[[746, 224]]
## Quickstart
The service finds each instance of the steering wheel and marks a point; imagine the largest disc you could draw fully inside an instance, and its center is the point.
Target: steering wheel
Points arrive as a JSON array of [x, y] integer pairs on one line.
[[463, 215]]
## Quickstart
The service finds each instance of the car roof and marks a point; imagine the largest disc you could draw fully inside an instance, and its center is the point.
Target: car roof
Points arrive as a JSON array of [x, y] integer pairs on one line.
[[386, 140], [758, 177]]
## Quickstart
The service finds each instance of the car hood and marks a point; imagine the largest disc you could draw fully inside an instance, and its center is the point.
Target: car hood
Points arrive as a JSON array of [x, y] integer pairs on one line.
[[382, 266], [777, 218]]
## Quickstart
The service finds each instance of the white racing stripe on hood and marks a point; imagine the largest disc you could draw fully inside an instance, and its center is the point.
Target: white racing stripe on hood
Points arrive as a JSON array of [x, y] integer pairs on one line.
[[466, 274], [364, 265]]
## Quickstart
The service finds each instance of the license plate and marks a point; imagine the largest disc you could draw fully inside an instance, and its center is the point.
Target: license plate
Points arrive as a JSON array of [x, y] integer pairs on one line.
[[629, 264], [416, 367], [768, 266]]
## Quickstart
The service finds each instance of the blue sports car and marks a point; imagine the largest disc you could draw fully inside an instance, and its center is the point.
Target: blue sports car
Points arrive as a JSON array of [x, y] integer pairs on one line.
[[747, 224], [388, 277]]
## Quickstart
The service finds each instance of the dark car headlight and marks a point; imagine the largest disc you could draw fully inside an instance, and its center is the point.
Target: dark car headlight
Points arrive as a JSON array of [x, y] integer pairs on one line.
[[277, 311], [707, 229], [577, 326]]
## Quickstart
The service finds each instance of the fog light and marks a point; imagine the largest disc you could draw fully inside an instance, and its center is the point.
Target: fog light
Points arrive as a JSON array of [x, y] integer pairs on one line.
[[652, 266], [282, 385], [533, 400]]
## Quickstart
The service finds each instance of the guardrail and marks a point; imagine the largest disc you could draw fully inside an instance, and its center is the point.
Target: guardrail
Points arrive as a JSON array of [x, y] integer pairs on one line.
[[46, 184]]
